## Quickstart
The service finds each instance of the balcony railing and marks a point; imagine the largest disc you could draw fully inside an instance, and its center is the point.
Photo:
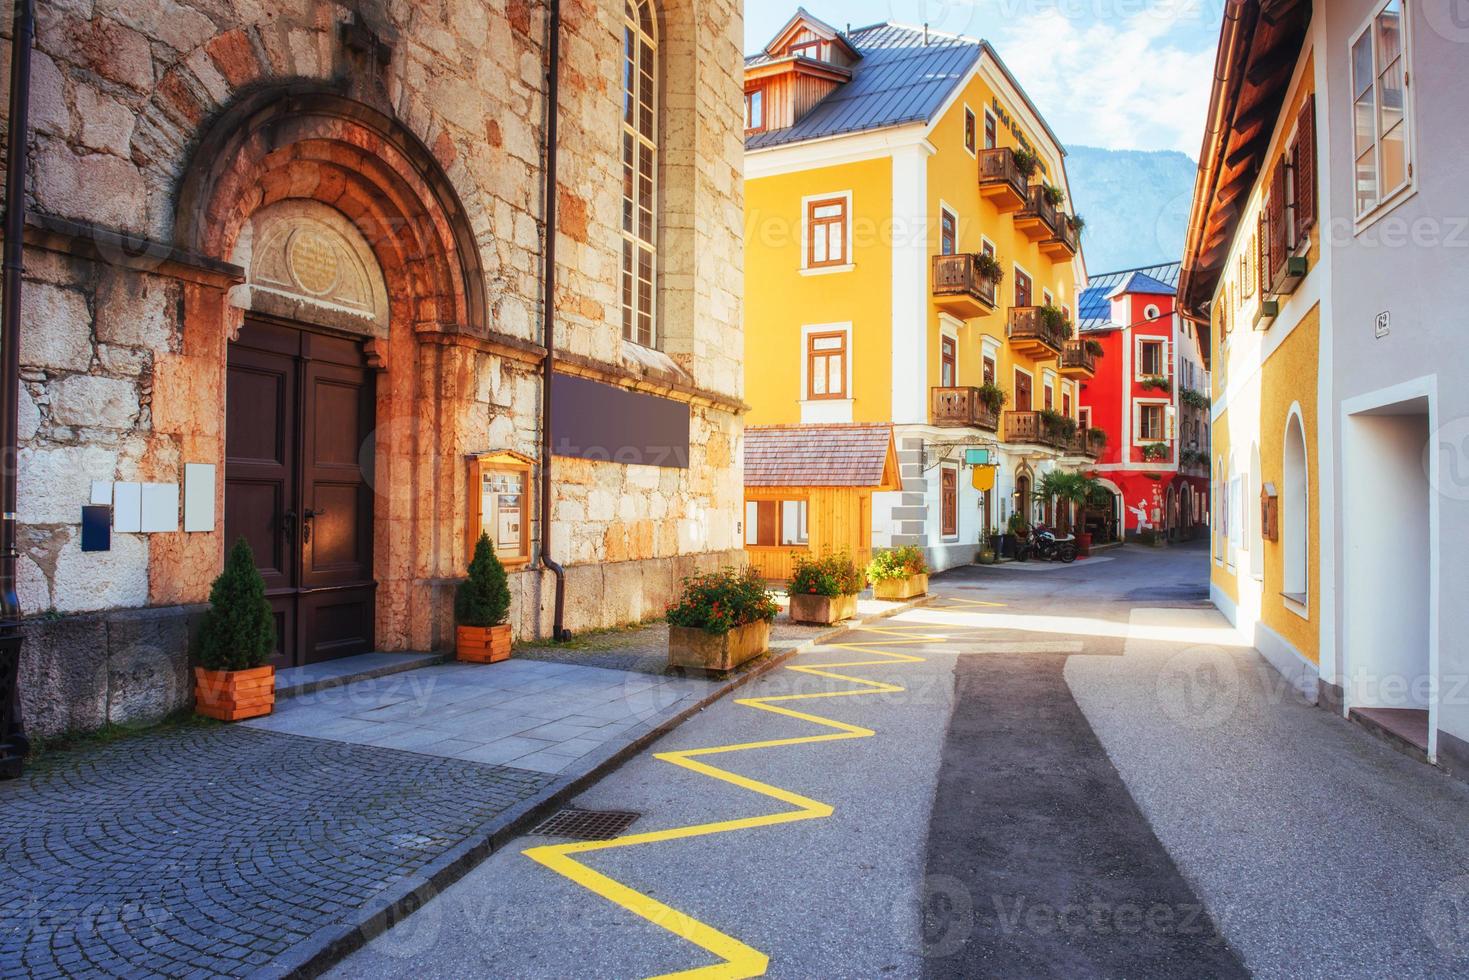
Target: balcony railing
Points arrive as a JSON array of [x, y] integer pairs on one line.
[[1039, 218], [1033, 429], [1000, 178], [1032, 334], [1077, 361], [1066, 240], [961, 406], [958, 286]]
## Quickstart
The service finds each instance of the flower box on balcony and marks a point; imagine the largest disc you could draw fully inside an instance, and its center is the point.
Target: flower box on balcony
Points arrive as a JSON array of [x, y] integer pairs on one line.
[[693, 647]]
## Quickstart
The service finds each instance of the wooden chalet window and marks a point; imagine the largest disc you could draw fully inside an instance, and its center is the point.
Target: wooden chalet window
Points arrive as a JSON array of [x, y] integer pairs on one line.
[[969, 130], [950, 493], [826, 232], [500, 504], [755, 110], [948, 232], [639, 170], [1379, 117], [826, 365], [772, 523], [806, 49], [948, 363], [1023, 288], [1022, 391], [991, 135]]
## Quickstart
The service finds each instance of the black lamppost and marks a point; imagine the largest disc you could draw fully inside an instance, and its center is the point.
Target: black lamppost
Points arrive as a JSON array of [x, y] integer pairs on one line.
[[13, 742]]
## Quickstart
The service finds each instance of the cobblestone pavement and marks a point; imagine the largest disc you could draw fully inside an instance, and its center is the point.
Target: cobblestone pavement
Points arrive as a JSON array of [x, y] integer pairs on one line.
[[213, 850]]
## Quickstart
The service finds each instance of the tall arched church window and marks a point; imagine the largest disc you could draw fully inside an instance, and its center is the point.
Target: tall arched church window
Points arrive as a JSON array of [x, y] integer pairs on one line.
[[639, 171]]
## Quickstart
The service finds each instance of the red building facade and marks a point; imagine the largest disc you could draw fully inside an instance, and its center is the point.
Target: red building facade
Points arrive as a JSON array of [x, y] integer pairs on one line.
[[1150, 396]]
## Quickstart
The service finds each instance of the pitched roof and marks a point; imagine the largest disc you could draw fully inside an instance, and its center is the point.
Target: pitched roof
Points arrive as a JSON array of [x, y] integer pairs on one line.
[[1094, 304], [819, 455], [1142, 283], [816, 24], [900, 79]]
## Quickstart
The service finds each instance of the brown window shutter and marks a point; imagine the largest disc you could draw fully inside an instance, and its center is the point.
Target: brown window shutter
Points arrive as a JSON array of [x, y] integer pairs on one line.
[[1306, 168], [1275, 209], [1262, 251]]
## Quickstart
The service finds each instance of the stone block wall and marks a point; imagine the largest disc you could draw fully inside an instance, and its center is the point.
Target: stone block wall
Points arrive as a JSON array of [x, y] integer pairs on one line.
[[123, 356]]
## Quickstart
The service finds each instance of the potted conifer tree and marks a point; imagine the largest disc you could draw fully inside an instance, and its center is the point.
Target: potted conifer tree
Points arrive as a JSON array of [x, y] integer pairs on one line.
[[481, 607], [233, 680]]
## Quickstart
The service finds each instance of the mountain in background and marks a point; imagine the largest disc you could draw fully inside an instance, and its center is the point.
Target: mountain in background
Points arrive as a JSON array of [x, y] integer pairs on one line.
[[1135, 202]]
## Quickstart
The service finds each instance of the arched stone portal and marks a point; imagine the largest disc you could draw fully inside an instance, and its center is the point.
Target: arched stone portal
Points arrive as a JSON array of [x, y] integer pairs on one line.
[[354, 240]]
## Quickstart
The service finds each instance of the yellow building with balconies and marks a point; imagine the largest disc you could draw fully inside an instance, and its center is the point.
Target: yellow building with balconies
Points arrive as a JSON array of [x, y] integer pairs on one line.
[[911, 259]]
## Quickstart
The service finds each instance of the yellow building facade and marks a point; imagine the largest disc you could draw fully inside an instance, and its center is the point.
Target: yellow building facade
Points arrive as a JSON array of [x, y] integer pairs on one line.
[[869, 244], [1251, 267]]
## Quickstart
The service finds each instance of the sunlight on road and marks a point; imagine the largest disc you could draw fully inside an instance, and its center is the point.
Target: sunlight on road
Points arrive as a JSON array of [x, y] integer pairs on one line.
[[1222, 635]]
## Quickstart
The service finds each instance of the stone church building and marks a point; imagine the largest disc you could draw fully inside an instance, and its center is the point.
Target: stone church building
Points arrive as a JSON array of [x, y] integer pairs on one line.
[[284, 281]]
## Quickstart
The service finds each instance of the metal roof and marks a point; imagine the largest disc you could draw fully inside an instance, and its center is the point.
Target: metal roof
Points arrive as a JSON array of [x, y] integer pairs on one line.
[[832, 455], [1094, 303], [900, 79]]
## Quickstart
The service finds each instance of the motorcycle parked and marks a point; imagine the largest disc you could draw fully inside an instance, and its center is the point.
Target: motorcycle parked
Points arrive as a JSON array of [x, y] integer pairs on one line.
[[1047, 545]]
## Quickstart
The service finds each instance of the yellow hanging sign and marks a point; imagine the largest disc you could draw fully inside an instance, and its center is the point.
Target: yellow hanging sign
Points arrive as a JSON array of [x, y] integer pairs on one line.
[[984, 477]]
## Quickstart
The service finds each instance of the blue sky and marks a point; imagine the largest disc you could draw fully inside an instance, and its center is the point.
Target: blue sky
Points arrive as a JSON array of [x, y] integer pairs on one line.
[[1123, 74]]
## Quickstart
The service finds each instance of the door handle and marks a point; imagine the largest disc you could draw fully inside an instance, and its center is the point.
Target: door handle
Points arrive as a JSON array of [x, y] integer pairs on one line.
[[306, 520], [288, 523]]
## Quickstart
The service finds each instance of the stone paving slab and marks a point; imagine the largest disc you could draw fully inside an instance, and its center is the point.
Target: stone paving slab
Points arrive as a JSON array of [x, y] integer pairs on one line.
[[215, 850]]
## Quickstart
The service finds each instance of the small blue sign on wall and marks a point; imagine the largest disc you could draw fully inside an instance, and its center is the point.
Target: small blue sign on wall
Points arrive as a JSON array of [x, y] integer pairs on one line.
[[97, 527], [977, 457]]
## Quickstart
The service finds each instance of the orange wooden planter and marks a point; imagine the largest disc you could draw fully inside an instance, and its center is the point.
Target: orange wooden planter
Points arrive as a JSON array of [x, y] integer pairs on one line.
[[483, 644], [234, 695]]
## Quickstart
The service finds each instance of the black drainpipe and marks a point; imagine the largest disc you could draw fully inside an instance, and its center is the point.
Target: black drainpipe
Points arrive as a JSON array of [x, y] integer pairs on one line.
[[548, 306], [13, 743]]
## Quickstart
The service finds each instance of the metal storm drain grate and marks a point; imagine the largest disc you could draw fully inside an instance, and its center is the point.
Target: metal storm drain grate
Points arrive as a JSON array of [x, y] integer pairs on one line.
[[586, 824]]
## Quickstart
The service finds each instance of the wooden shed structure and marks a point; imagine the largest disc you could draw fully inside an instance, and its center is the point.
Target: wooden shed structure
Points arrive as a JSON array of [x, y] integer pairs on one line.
[[808, 490]]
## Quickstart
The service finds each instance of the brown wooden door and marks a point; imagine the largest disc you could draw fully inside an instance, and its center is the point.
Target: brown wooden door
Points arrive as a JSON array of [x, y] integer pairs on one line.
[[1022, 391], [299, 409]]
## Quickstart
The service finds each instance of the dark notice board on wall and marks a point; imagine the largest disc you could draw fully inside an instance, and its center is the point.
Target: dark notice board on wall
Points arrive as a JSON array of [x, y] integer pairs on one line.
[[591, 420]]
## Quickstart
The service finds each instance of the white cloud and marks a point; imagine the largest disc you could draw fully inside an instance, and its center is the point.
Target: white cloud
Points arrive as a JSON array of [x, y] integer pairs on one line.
[[1139, 81]]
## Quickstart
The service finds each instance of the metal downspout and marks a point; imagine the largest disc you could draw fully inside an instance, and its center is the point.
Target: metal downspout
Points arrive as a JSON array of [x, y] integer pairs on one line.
[[548, 306]]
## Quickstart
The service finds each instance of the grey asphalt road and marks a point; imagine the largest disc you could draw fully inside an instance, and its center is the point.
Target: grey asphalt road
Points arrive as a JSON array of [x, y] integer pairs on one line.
[[1085, 774]]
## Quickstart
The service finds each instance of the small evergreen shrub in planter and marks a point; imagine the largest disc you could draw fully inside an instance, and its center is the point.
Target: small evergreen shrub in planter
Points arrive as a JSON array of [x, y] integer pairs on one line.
[[898, 573], [824, 590], [721, 620], [234, 680], [481, 606]]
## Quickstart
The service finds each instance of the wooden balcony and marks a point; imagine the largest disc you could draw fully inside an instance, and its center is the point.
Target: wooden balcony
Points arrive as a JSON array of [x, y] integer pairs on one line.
[[1077, 361], [1039, 218], [1000, 180], [961, 407], [1032, 429], [1031, 336], [959, 288], [1064, 243], [1094, 442], [1083, 446]]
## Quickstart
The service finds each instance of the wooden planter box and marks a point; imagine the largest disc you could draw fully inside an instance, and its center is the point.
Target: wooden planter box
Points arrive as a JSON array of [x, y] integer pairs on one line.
[[822, 610], [691, 647], [901, 588], [482, 644], [234, 695]]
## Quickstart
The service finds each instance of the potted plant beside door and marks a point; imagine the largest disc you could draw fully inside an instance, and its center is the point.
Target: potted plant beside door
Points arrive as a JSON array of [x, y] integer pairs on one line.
[[481, 606], [824, 590], [721, 620], [233, 680]]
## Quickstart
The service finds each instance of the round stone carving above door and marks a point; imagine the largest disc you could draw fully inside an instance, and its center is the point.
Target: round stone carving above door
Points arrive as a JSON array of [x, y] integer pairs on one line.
[[307, 262]]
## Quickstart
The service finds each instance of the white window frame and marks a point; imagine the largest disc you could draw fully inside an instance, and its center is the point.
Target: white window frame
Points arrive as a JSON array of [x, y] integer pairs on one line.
[[1048, 383], [1391, 200], [825, 270], [1137, 373], [750, 98], [1137, 422]]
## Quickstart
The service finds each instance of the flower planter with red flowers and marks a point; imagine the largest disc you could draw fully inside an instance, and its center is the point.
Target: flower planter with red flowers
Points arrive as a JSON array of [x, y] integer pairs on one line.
[[824, 590], [721, 620]]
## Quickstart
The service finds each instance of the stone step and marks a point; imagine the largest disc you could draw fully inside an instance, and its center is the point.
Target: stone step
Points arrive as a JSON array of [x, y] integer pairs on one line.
[[295, 681]]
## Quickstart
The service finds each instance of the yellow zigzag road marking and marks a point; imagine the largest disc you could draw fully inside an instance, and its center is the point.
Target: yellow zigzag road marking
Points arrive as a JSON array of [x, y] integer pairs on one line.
[[738, 959]]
